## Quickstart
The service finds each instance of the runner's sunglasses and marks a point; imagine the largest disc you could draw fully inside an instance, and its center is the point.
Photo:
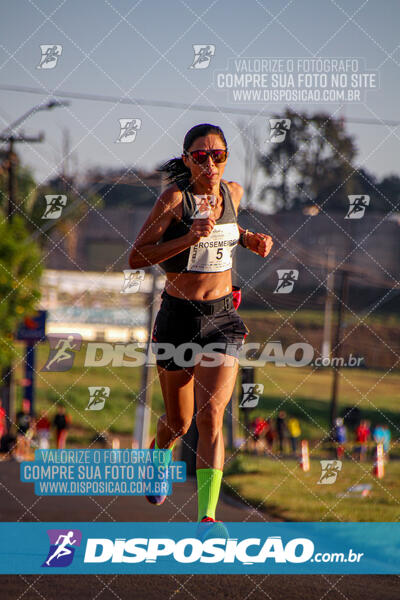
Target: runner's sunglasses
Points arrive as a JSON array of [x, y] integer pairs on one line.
[[200, 156]]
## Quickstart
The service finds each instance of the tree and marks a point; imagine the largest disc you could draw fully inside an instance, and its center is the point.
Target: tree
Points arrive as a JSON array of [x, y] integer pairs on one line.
[[388, 194], [20, 271], [313, 165], [20, 266]]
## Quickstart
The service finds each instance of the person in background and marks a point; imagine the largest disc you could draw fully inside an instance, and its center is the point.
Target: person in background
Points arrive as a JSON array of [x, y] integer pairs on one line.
[[381, 435], [23, 422], [43, 432], [387, 436], [269, 436], [257, 426], [362, 437], [3, 429], [378, 434], [340, 438], [281, 429], [294, 431], [7, 439], [61, 423]]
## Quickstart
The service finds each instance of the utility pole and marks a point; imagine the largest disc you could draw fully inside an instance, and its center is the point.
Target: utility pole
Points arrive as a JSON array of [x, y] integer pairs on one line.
[[143, 408], [330, 283], [232, 417], [65, 153], [8, 135], [12, 161], [338, 344]]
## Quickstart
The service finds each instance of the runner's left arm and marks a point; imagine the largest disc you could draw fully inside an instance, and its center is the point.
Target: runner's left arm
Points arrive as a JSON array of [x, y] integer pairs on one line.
[[260, 243]]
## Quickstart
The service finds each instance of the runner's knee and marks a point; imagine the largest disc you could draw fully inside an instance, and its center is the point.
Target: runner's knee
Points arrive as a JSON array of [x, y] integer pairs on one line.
[[178, 425], [209, 421]]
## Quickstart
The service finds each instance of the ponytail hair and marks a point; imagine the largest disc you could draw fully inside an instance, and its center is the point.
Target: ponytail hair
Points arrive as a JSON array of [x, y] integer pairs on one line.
[[175, 169]]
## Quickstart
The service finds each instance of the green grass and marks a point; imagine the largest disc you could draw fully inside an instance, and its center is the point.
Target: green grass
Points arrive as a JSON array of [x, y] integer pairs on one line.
[[280, 487], [284, 491], [299, 391], [71, 388]]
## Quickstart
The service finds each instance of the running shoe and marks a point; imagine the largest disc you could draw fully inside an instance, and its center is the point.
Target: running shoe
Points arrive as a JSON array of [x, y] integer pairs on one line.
[[210, 528], [157, 499]]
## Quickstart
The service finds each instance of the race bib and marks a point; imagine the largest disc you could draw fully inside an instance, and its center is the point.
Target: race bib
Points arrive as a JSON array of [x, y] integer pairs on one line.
[[213, 254]]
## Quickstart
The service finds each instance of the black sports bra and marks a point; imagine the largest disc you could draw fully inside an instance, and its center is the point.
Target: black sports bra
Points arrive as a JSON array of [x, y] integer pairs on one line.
[[210, 254]]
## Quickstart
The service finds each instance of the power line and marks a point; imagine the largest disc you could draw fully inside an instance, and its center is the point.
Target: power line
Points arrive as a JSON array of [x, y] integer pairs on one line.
[[177, 105]]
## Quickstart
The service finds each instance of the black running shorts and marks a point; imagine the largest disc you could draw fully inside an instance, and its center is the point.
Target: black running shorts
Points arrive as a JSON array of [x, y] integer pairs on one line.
[[183, 329]]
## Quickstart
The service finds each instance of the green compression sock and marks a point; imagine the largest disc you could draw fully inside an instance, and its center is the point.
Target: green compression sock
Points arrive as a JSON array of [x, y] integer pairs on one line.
[[208, 487], [168, 458]]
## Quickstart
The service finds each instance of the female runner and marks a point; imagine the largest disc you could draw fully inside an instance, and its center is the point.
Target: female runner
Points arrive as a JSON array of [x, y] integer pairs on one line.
[[197, 302]]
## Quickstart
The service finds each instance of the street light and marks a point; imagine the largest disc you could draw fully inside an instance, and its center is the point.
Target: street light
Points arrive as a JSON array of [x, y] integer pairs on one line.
[[8, 136], [47, 106]]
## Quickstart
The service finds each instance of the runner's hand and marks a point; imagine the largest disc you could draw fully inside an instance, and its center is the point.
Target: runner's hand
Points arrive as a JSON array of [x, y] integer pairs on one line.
[[259, 243], [201, 228]]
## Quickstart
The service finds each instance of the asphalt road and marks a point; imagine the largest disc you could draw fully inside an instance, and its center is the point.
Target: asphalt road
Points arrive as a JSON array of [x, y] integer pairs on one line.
[[19, 503]]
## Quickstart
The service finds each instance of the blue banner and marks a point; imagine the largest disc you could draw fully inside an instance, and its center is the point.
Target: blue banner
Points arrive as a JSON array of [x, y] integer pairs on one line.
[[165, 548]]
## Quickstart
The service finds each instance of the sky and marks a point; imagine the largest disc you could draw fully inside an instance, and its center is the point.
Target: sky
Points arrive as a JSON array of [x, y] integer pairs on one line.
[[144, 49]]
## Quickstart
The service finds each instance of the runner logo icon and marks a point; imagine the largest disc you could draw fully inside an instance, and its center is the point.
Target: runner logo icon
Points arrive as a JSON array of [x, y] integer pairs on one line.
[[50, 55], [278, 130], [287, 279], [62, 348], [204, 205], [132, 281], [330, 471], [98, 396], [54, 206], [128, 129], [357, 206], [61, 551], [251, 394], [202, 55]]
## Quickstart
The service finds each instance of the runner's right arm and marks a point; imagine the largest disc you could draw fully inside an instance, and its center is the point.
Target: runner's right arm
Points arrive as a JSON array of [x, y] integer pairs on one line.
[[147, 250]]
